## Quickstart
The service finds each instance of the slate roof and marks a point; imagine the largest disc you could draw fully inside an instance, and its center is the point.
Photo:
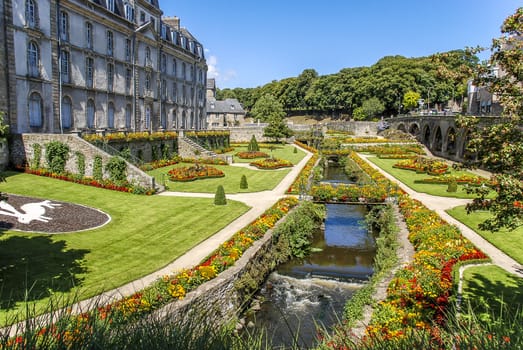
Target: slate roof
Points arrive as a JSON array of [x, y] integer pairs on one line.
[[230, 105]]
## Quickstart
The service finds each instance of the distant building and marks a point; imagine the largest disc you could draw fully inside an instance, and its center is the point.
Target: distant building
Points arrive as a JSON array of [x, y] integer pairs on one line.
[[480, 100], [88, 65], [227, 113]]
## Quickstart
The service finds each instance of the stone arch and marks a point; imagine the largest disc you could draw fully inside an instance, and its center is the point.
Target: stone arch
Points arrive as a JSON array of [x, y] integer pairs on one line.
[[401, 127], [414, 129], [426, 136], [438, 140], [451, 141]]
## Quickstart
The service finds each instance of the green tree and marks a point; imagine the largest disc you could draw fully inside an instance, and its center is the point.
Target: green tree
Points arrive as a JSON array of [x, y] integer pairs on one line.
[[410, 100], [253, 145], [219, 196], [56, 154], [267, 108], [372, 107], [499, 146]]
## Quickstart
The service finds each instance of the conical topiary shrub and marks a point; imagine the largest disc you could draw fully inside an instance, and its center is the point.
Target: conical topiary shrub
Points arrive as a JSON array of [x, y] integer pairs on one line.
[[295, 150], [219, 197], [452, 186], [253, 145], [243, 182]]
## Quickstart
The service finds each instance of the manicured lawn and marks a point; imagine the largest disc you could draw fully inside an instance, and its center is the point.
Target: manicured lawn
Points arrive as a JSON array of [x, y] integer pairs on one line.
[[145, 234], [281, 152], [408, 177], [510, 242], [488, 286]]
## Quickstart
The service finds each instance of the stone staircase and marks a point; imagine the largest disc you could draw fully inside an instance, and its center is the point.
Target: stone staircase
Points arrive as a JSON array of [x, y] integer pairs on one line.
[[187, 148]]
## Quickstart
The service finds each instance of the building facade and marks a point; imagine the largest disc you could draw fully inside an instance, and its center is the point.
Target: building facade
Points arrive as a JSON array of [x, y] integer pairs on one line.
[[222, 113], [92, 65]]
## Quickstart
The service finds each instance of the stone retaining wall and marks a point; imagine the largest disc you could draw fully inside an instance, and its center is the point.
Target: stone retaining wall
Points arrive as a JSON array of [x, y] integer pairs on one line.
[[22, 152], [219, 301]]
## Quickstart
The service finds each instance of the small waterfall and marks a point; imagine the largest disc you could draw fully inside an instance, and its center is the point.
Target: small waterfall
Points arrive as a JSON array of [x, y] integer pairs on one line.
[[306, 293]]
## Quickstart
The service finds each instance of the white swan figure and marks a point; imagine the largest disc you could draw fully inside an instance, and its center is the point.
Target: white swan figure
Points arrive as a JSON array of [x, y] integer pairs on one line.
[[31, 211]]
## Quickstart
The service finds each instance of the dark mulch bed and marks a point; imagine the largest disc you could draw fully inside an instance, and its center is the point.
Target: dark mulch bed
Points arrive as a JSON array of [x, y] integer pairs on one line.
[[67, 217]]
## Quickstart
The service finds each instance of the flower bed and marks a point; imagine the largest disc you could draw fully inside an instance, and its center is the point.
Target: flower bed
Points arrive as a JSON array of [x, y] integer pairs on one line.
[[252, 155], [418, 296], [303, 178], [423, 165], [160, 163], [106, 184], [195, 172], [462, 179], [131, 136], [272, 163]]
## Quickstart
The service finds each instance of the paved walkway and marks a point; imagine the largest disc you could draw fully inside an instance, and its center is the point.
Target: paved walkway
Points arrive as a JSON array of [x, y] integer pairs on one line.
[[440, 205]]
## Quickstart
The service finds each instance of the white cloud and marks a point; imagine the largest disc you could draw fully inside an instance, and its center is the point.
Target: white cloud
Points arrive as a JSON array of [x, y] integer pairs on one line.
[[212, 67]]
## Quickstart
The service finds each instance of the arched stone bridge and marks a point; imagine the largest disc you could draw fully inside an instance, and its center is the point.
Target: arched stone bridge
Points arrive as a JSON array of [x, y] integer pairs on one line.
[[438, 132]]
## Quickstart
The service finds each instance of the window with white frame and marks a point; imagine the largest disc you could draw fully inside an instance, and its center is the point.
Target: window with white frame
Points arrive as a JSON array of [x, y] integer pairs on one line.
[[110, 43], [90, 114], [110, 5], [89, 35], [67, 112], [128, 79], [129, 12], [64, 66], [89, 72], [64, 26], [110, 115], [110, 77], [174, 67], [147, 82], [164, 88], [35, 110], [147, 116], [163, 63], [148, 61], [173, 91], [128, 114], [31, 14], [128, 45], [33, 59]]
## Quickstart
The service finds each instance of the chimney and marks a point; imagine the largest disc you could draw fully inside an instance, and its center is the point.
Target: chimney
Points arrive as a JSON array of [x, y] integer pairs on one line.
[[173, 22]]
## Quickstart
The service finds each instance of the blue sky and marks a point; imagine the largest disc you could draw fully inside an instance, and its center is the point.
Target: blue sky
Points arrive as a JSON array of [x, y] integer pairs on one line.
[[250, 43]]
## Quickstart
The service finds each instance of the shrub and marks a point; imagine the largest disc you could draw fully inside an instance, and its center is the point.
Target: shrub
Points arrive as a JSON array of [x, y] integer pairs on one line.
[[80, 163], [243, 183], [295, 150], [452, 186], [116, 167], [97, 168], [253, 145], [56, 154], [37, 156], [219, 197]]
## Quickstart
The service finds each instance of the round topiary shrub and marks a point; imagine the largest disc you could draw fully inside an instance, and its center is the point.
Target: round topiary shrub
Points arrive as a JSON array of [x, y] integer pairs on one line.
[[243, 183], [219, 197]]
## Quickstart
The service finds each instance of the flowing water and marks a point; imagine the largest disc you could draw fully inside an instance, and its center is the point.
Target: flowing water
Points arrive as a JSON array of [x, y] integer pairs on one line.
[[302, 294]]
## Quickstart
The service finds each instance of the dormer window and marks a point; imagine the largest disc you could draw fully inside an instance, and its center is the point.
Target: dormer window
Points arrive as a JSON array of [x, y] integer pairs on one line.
[[212, 105], [110, 5], [232, 107]]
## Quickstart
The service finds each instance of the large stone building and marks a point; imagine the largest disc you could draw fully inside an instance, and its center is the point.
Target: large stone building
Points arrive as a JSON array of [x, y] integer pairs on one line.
[[91, 65]]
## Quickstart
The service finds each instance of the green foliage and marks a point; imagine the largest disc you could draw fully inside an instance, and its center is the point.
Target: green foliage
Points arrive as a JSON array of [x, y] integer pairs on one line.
[[219, 197], [445, 74], [56, 154], [97, 168], [117, 169], [359, 114], [80, 163], [243, 183], [299, 227], [125, 153], [499, 146], [452, 186], [410, 100], [372, 107], [37, 156], [267, 108], [166, 154], [155, 151], [4, 128], [295, 150], [253, 145]]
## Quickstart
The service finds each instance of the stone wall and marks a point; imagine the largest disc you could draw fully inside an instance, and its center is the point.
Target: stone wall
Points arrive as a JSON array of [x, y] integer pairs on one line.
[[143, 150], [355, 127], [220, 299], [22, 152]]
